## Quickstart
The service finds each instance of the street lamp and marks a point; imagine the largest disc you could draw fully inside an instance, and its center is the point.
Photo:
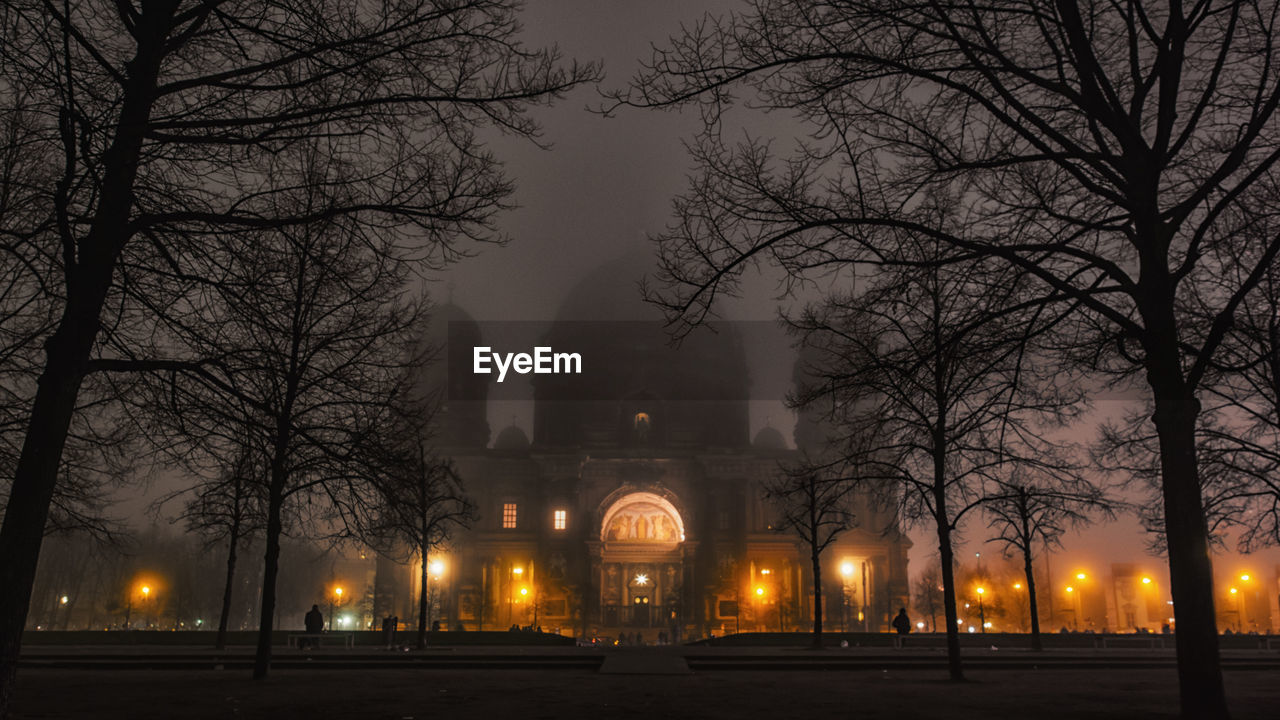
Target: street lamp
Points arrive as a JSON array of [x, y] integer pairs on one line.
[[511, 588], [146, 609], [337, 598], [982, 614], [846, 569]]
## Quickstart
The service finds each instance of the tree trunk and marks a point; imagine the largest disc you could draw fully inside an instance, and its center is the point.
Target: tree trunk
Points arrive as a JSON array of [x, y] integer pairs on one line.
[[225, 615], [1190, 567], [88, 278], [422, 602], [1036, 643], [815, 557], [31, 494], [949, 612], [271, 569]]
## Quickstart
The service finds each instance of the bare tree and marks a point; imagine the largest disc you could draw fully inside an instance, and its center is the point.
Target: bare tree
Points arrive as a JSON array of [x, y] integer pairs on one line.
[[928, 594], [1098, 147], [424, 503], [817, 509], [228, 509], [314, 330], [924, 377], [1024, 513], [165, 116]]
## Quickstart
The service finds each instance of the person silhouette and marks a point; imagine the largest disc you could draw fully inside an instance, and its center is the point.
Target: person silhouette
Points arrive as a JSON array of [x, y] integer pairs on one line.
[[901, 622], [314, 623]]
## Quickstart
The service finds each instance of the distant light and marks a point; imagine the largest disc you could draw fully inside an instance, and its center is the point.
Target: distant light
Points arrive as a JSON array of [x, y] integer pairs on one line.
[[981, 590], [524, 591], [146, 590], [766, 571], [986, 625], [846, 569], [437, 567], [64, 599], [199, 622], [1081, 576], [759, 591], [1244, 578], [1234, 591], [972, 629], [1146, 581], [337, 591], [642, 579], [1017, 586], [1070, 589], [518, 571], [920, 624]]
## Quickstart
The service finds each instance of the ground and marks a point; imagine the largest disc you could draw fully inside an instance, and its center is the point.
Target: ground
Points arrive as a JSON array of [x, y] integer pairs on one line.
[[503, 694]]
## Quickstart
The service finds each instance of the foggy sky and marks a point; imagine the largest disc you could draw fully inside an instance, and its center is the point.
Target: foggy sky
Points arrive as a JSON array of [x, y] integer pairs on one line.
[[607, 183]]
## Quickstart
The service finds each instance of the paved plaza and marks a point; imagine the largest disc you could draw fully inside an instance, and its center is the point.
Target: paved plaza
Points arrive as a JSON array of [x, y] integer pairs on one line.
[[658, 683]]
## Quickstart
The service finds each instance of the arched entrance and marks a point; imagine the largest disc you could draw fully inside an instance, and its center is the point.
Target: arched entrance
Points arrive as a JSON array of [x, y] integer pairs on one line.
[[641, 565]]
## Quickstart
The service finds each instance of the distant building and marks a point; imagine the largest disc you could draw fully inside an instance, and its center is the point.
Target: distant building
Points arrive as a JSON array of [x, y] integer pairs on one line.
[[637, 505]]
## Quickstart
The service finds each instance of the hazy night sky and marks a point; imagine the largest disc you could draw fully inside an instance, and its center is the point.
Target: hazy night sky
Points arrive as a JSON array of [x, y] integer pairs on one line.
[[607, 183]]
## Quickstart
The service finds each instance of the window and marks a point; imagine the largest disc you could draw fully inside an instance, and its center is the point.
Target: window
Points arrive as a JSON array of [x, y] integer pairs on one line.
[[508, 516], [722, 520], [561, 519]]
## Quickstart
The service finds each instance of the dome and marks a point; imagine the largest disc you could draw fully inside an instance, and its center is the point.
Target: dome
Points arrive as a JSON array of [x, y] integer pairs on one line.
[[461, 397], [636, 390], [769, 439], [511, 438]]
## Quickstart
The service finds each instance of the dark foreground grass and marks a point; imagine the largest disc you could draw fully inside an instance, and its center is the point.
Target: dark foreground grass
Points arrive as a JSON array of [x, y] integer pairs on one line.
[[533, 695]]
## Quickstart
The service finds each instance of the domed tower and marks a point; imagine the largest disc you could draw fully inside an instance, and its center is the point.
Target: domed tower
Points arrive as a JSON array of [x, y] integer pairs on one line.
[[636, 391], [461, 419], [811, 431]]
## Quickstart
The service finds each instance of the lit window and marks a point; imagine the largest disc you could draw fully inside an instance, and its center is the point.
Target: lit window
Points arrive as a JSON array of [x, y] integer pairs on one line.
[[561, 519], [508, 516]]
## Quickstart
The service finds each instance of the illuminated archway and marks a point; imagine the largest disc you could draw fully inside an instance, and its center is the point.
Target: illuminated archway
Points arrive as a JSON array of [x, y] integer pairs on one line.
[[642, 517]]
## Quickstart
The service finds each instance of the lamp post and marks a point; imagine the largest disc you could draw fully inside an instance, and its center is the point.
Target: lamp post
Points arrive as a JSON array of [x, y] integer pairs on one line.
[[436, 569], [511, 588], [337, 598], [1242, 605], [846, 570], [146, 609], [1080, 596], [982, 613]]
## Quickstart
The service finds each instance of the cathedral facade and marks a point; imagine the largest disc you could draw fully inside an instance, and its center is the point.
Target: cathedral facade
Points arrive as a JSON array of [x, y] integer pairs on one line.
[[638, 505]]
